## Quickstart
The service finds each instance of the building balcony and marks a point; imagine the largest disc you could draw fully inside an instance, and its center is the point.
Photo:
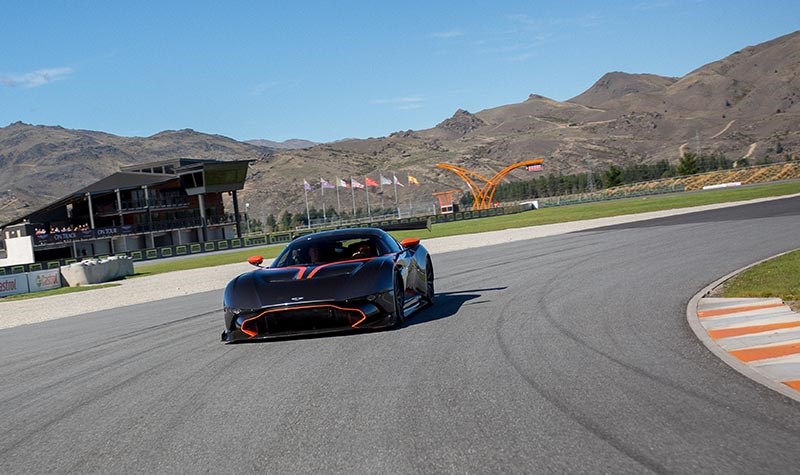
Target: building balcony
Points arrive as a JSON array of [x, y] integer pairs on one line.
[[140, 206]]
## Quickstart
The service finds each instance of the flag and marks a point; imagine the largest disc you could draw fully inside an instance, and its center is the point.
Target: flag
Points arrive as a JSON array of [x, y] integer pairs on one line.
[[385, 181], [325, 183], [343, 184], [356, 184], [306, 186], [396, 181], [534, 168], [412, 180], [370, 182]]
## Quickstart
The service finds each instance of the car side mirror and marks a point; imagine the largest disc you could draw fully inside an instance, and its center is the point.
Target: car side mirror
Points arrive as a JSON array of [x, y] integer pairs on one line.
[[409, 242], [255, 260]]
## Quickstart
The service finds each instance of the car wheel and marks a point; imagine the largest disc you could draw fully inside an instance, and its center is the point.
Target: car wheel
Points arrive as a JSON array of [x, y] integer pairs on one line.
[[429, 291], [399, 300]]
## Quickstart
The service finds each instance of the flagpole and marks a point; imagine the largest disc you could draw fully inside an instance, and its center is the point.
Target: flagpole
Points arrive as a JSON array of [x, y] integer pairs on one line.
[[366, 190], [353, 190], [396, 205], [308, 213], [380, 179], [322, 193], [338, 201]]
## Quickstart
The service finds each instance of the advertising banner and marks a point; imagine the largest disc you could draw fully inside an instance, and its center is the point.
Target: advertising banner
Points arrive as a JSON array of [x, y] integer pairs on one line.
[[67, 236], [44, 280], [13, 284]]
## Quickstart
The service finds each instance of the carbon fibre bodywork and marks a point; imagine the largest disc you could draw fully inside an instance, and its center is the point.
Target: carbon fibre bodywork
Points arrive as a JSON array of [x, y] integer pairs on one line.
[[340, 292]]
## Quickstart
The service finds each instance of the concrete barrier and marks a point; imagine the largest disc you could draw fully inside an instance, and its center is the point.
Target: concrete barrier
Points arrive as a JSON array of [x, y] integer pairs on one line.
[[94, 271]]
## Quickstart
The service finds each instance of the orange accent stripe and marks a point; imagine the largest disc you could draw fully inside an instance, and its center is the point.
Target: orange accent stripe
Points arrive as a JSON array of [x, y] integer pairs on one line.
[[793, 384], [314, 272], [253, 333], [301, 270], [729, 332], [725, 311], [755, 354]]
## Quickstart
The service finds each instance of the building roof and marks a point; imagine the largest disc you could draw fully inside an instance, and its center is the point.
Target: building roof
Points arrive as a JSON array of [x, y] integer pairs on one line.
[[125, 181], [135, 176]]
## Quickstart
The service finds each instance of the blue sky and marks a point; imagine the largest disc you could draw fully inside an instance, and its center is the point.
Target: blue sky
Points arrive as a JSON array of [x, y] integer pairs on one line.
[[329, 70]]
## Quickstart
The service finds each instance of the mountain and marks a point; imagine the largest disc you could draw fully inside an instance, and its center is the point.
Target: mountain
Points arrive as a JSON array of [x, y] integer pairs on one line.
[[617, 84], [39, 164], [744, 105]]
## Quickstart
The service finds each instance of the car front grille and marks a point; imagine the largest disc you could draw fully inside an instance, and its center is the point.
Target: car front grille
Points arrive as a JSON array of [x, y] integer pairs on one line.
[[302, 319]]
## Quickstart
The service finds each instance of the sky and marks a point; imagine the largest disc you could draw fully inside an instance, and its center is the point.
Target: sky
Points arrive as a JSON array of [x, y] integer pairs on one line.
[[329, 70]]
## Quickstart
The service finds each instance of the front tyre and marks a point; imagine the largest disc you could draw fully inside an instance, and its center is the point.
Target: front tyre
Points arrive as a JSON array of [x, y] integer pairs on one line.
[[399, 294], [429, 291]]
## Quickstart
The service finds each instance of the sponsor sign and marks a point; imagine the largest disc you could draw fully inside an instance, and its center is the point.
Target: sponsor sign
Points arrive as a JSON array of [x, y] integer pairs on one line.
[[534, 168], [44, 280], [102, 232], [13, 284], [98, 233]]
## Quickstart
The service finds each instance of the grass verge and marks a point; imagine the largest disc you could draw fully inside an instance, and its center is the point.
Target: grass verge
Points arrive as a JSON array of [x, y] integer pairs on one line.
[[604, 209], [205, 260], [779, 277], [62, 290], [529, 218]]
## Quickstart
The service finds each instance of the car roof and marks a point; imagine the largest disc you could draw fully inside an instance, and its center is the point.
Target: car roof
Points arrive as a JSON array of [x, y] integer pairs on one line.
[[349, 233]]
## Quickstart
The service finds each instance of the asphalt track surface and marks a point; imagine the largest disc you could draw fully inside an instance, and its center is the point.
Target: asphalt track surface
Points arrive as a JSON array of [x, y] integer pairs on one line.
[[562, 354]]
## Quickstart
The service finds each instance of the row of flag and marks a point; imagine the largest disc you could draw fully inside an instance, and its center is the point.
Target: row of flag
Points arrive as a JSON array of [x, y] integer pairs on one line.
[[353, 183]]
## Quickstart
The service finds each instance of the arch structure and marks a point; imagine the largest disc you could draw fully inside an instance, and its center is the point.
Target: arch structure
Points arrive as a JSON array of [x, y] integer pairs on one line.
[[482, 195]]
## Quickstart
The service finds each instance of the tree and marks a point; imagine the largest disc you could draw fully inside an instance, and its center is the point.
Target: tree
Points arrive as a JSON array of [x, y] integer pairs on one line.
[[286, 221], [271, 223], [688, 164], [612, 177]]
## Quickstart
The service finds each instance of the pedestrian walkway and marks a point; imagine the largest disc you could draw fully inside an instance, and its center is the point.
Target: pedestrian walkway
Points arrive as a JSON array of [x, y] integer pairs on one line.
[[763, 333]]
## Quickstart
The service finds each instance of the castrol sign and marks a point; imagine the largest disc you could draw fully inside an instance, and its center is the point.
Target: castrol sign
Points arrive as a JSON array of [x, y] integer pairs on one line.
[[13, 284]]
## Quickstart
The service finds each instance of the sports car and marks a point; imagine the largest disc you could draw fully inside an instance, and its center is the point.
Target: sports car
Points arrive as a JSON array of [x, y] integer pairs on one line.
[[345, 279]]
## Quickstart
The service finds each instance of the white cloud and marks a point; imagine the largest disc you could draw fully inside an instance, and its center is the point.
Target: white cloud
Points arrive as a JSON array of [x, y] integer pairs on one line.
[[401, 103], [447, 34], [36, 78], [398, 100], [405, 107], [653, 5], [261, 88]]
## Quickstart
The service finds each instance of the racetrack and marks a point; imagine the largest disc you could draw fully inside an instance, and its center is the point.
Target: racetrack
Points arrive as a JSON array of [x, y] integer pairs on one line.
[[560, 354]]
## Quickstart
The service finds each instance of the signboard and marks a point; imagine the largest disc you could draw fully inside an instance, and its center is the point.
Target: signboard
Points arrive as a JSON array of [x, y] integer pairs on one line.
[[68, 236], [13, 284], [44, 280], [534, 168]]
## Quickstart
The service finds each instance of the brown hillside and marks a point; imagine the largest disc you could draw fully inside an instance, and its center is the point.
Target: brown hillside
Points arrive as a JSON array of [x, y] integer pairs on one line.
[[614, 85], [741, 105]]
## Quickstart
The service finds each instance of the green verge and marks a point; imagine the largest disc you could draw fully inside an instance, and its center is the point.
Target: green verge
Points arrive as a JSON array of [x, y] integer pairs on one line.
[[59, 291], [779, 277], [519, 220], [529, 218], [206, 260], [604, 209]]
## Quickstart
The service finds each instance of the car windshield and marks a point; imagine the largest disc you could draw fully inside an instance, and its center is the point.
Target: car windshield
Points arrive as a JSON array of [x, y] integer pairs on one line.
[[313, 251]]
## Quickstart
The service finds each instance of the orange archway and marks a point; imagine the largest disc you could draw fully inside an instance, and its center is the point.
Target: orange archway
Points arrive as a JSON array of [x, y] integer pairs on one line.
[[482, 196]]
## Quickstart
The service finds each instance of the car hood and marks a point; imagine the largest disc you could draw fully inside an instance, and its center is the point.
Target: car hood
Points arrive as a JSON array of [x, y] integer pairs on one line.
[[337, 281]]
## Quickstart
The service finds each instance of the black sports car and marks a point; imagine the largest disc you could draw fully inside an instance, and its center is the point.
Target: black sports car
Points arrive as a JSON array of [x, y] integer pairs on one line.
[[330, 281]]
